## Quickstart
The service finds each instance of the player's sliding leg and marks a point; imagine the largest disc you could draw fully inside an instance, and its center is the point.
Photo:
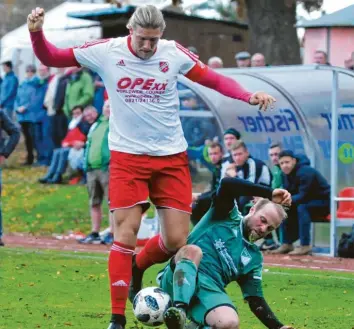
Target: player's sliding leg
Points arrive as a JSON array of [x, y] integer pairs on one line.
[[126, 226], [184, 282], [223, 317], [159, 249]]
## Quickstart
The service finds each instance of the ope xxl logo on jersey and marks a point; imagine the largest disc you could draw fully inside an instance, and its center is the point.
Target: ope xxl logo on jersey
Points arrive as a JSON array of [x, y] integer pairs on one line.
[[141, 84]]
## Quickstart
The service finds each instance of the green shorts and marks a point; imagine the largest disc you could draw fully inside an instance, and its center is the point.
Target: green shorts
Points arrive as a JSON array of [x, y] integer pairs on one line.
[[207, 296]]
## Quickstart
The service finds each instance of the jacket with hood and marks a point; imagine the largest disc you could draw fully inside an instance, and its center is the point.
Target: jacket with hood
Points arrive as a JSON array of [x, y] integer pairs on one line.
[[305, 183]]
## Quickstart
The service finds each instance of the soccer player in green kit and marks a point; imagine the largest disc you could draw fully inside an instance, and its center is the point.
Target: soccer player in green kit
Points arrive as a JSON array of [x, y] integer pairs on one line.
[[221, 249]]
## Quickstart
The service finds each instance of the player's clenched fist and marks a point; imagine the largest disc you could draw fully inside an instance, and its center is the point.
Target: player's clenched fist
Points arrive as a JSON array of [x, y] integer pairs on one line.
[[281, 196], [35, 20], [263, 100]]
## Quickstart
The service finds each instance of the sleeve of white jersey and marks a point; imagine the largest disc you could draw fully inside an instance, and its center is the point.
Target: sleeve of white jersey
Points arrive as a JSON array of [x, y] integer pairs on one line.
[[186, 59], [92, 54]]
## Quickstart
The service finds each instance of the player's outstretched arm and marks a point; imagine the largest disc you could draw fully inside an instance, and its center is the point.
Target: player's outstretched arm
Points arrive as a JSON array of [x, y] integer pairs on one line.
[[262, 311], [46, 52], [231, 88]]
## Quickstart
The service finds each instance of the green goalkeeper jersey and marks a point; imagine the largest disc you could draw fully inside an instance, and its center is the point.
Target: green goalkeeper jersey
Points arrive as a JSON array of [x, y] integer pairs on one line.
[[227, 255]]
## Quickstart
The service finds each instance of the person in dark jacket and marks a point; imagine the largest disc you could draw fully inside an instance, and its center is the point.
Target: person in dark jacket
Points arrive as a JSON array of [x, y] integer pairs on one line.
[[6, 148], [202, 202], [310, 196], [8, 89]]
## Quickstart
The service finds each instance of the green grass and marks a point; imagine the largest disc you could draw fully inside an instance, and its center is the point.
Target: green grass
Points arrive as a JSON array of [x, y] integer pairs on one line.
[[40, 289]]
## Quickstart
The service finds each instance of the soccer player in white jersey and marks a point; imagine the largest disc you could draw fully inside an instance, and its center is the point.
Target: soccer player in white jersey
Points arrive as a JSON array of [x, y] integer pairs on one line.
[[148, 149]]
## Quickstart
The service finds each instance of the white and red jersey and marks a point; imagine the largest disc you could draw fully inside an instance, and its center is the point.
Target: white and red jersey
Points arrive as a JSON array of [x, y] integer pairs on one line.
[[143, 93]]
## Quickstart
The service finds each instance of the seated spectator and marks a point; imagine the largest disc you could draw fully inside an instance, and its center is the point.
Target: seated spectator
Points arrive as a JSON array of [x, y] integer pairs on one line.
[[76, 137], [6, 148], [310, 197], [96, 166], [246, 167], [202, 202], [231, 136]]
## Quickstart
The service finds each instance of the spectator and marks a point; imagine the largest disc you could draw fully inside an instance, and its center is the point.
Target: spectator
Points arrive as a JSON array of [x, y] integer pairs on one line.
[[243, 59], [310, 197], [8, 90], [258, 60], [96, 166], [42, 136], [6, 148], [175, 7], [76, 137], [320, 57], [98, 98], [193, 50], [274, 151], [215, 63], [79, 90], [231, 135], [202, 202], [25, 110], [248, 168]]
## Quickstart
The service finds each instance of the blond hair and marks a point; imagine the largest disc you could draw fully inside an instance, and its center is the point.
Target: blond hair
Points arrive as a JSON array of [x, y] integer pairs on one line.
[[147, 17]]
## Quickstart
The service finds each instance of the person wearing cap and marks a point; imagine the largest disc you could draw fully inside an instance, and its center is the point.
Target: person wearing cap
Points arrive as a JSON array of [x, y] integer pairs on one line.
[[231, 135], [8, 89], [310, 194], [243, 59]]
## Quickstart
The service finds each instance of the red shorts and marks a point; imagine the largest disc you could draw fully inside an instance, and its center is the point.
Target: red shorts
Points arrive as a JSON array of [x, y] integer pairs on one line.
[[135, 177]]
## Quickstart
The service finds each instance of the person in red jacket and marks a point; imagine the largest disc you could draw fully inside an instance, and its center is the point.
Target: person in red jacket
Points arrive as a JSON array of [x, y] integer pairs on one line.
[[75, 135]]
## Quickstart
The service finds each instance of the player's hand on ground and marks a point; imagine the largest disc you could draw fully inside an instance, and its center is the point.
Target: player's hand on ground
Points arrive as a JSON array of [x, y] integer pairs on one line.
[[281, 196], [263, 100], [35, 20]]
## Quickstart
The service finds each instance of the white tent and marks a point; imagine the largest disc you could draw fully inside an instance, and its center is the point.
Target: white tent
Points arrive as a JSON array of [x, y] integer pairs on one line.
[[61, 30]]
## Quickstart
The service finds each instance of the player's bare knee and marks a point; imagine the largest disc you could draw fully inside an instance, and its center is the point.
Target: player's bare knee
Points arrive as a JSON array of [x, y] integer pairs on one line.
[[191, 252], [227, 324]]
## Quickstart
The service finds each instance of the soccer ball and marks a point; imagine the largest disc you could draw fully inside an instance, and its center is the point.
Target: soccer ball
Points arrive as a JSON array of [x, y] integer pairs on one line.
[[150, 304]]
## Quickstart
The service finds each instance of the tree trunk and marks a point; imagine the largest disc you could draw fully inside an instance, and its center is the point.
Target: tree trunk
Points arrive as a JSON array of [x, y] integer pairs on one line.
[[272, 30]]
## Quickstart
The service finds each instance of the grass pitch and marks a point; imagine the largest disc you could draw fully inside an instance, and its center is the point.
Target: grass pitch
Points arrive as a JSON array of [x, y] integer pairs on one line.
[[40, 289]]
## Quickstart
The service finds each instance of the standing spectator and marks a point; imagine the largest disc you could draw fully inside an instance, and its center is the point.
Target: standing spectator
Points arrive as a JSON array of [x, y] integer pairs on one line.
[[310, 195], [42, 137], [202, 202], [6, 148], [258, 60], [96, 166], [79, 90], [215, 63], [98, 98], [231, 136], [8, 89], [320, 57], [25, 110], [243, 59]]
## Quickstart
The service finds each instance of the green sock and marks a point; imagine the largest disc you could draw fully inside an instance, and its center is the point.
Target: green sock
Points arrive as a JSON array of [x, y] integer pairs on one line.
[[184, 280]]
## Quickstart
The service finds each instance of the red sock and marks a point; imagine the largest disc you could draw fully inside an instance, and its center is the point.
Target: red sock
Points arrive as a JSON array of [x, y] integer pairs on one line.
[[154, 252], [120, 274]]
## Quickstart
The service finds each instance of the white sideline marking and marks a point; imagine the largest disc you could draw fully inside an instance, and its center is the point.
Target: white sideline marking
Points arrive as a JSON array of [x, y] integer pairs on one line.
[[103, 258], [310, 275], [309, 267]]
